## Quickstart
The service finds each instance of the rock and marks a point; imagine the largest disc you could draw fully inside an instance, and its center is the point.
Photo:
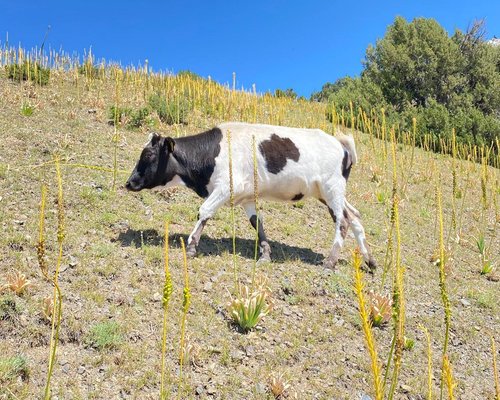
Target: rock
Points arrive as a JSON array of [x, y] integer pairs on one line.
[[405, 388], [157, 296], [260, 388], [207, 287], [73, 262], [211, 390], [465, 302], [81, 370], [250, 351], [237, 355], [199, 390]]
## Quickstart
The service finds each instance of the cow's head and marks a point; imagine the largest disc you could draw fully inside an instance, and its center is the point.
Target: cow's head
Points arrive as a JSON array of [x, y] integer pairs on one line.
[[152, 168]]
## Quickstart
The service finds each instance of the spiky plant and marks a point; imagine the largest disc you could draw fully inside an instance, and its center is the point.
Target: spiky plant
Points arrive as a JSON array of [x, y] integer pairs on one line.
[[47, 308], [17, 282], [380, 309], [250, 306], [191, 351], [278, 385]]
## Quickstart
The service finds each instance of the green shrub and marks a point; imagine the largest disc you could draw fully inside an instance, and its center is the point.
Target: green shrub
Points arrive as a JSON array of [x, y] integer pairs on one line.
[[138, 117], [32, 71], [173, 111], [104, 336], [117, 115]]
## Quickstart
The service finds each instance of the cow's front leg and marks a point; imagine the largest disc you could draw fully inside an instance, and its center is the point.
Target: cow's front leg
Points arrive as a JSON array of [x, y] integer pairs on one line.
[[207, 210], [256, 221]]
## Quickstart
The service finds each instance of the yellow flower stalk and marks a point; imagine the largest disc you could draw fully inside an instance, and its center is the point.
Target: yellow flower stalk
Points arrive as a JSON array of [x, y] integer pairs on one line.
[[365, 323], [167, 293]]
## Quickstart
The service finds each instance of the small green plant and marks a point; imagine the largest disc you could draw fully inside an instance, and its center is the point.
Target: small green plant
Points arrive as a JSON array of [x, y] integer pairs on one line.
[[28, 71], [4, 168], [486, 265], [249, 307], [381, 197], [12, 368], [27, 109], [408, 343], [8, 308], [104, 336]]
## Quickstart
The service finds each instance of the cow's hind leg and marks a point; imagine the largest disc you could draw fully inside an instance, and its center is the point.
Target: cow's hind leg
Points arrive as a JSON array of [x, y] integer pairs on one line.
[[333, 195], [256, 221], [207, 211], [353, 217]]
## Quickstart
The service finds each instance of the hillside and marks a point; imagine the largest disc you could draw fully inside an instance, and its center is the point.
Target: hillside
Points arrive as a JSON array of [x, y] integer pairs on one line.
[[112, 271]]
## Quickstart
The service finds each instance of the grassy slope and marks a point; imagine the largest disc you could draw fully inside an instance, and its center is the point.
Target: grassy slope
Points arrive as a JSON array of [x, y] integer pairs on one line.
[[113, 269]]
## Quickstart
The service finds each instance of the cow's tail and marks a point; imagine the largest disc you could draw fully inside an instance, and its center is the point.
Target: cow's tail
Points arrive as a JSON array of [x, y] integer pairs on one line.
[[347, 143]]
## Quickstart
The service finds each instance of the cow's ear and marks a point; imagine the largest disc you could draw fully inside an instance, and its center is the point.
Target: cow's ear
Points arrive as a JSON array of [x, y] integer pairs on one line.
[[169, 144], [155, 138]]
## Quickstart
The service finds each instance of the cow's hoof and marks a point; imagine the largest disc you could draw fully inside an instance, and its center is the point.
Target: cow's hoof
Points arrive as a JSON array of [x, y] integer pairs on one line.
[[264, 258], [330, 263], [370, 265], [191, 252]]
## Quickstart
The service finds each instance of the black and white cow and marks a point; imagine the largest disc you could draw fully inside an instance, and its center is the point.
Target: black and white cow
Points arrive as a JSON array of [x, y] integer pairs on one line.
[[292, 164]]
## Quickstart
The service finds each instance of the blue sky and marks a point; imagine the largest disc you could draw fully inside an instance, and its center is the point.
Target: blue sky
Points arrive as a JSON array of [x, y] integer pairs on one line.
[[274, 44]]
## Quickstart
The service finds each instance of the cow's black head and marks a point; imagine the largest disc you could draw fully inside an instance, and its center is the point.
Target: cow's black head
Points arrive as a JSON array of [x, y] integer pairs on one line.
[[152, 168]]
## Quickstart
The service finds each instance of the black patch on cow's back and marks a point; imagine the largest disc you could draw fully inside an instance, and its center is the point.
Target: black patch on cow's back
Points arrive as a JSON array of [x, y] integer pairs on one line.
[[196, 156], [346, 165], [298, 197], [276, 151]]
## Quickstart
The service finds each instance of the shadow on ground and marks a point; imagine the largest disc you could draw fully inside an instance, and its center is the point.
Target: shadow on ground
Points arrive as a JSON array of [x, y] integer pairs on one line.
[[209, 246]]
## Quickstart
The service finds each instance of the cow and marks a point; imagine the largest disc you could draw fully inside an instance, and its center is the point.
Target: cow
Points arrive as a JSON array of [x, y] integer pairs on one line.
[[291, 164]]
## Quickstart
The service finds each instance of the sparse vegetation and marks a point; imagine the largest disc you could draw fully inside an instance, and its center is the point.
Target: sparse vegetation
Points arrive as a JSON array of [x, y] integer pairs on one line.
[[104, 335], [13, 368], [109, 252], [28, 71]]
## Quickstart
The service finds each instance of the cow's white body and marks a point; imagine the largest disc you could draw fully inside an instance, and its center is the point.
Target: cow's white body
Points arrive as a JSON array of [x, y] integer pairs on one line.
[[320, 162]]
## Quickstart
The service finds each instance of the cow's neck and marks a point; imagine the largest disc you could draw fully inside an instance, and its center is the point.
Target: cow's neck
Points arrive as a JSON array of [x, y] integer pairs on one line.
[[191, 172]]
